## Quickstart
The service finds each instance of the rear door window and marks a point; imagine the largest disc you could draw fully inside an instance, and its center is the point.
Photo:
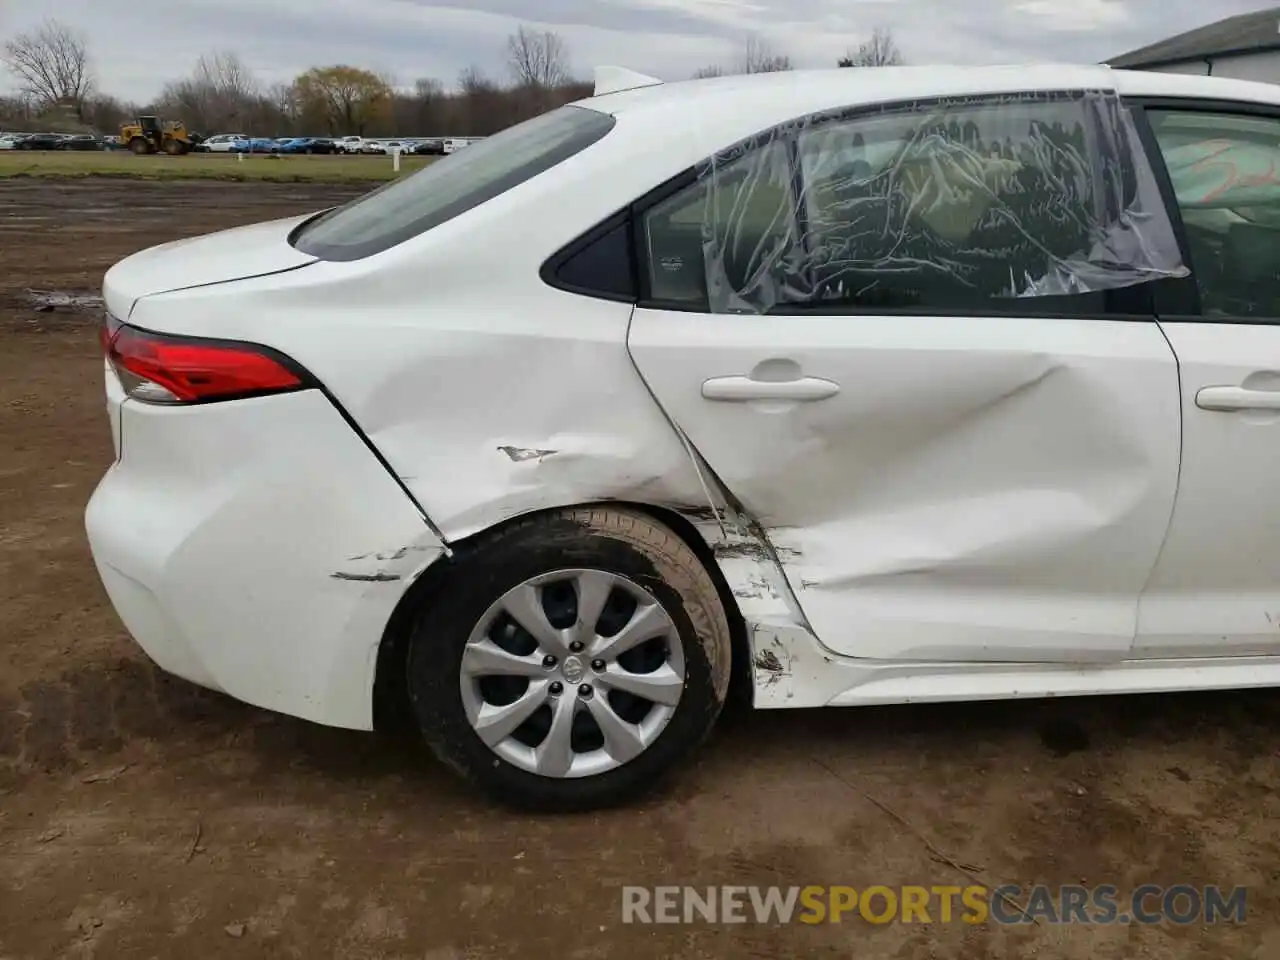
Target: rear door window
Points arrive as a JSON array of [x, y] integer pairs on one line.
[[447, 188], [1038, 203]]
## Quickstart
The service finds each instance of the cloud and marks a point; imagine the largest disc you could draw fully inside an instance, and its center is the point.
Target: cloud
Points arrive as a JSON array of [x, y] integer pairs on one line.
[[138, 45], [1081, 16]]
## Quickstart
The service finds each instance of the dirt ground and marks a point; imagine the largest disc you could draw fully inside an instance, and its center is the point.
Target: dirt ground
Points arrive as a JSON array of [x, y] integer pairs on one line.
[[142, 817]]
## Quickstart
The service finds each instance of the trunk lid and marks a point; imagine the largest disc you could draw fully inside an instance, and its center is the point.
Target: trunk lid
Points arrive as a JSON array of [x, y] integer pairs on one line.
[[236, 254]]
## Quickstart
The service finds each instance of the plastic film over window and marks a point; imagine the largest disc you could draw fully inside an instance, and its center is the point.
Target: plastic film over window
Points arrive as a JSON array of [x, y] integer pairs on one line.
[[950, 204]]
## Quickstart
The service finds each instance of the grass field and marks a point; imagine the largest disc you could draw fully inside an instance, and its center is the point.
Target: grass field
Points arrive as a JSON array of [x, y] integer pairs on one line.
[[204, 166]]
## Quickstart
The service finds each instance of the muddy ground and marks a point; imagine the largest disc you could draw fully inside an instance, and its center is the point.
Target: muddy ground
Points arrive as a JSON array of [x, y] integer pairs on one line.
[[141, 817]]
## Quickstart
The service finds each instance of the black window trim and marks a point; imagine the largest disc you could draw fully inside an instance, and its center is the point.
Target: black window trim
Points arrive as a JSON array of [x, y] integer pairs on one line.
[[1181, 303], [549, 272], [689, 176], [630, 214]]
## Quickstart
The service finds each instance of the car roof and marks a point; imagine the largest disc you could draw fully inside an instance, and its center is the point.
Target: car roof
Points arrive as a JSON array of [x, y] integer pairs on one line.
[[712, 113], [1151, 83], [806, 91]]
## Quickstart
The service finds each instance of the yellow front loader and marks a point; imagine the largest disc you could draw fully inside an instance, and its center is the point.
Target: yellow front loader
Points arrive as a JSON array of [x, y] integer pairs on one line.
[[151, 135]]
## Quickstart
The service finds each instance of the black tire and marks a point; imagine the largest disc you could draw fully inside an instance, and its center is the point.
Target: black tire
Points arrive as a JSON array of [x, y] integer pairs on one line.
[[619, 541]]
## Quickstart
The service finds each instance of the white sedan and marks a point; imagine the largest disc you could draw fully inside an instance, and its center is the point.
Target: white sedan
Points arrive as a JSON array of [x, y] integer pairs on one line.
[[852, 386], [222, 142]]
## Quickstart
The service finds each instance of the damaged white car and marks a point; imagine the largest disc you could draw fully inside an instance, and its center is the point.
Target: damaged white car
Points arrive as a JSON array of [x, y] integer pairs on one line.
[[855, 386]]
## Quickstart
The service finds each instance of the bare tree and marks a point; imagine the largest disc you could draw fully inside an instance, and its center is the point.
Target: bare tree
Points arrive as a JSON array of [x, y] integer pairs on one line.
[[705, 73], [16, 110], [51, 64], [281, 99], [104, 113], [225, 74], [879, 51], [428, 98], [483, 106], [759, 57], [538, 60], [473, 81], [428, 89], [220, 93]]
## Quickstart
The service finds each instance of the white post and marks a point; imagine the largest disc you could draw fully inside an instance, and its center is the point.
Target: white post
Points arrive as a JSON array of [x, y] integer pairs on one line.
[[240, 155], [395, 159]]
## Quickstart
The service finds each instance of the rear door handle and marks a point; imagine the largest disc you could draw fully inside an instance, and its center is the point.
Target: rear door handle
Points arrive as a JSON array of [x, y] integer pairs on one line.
[[744, 389], [1237, 398]]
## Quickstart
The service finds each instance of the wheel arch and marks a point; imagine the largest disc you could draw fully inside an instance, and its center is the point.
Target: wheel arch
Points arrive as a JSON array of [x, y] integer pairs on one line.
[[390, 694]]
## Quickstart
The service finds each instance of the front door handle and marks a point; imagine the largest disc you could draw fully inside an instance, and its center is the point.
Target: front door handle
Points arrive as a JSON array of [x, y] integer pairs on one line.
[[745, 389], [1237, 398]]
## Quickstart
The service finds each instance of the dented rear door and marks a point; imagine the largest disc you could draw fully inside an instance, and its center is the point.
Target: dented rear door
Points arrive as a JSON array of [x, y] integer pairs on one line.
[[973, 485], [969, 489]]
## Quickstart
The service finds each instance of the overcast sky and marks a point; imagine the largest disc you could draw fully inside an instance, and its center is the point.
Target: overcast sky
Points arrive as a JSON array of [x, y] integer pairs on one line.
[[137, 45]]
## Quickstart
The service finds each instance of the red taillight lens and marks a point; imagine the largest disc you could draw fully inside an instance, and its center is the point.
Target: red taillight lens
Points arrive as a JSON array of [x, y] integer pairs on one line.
[[107, 332], [160, 368]]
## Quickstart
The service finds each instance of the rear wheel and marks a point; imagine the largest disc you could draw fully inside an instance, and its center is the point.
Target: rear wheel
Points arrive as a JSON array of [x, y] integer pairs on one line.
[[171, 146], [571, 661], [139, 146]]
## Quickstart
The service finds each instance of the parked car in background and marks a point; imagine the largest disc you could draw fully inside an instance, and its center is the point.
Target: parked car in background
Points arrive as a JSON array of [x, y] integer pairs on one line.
[[372, 146], [431, 147], [43, 141], [256, 145], [82, 141], [220, 143], [307, 145], [10, 141], [348, 144], [111, 142], [454, 144]]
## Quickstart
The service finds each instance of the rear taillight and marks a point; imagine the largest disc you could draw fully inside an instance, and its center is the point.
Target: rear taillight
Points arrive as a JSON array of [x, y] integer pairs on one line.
[[163, 368]]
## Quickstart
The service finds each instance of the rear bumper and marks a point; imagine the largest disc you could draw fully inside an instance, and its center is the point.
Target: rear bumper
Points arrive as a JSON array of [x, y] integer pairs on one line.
[[258, 548]]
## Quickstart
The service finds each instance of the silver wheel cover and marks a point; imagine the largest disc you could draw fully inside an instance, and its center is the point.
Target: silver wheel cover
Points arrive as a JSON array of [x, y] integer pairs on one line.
[[572, 673]]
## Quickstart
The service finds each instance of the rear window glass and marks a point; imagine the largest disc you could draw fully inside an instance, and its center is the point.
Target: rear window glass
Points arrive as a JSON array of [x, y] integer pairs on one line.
[[451, 186]]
